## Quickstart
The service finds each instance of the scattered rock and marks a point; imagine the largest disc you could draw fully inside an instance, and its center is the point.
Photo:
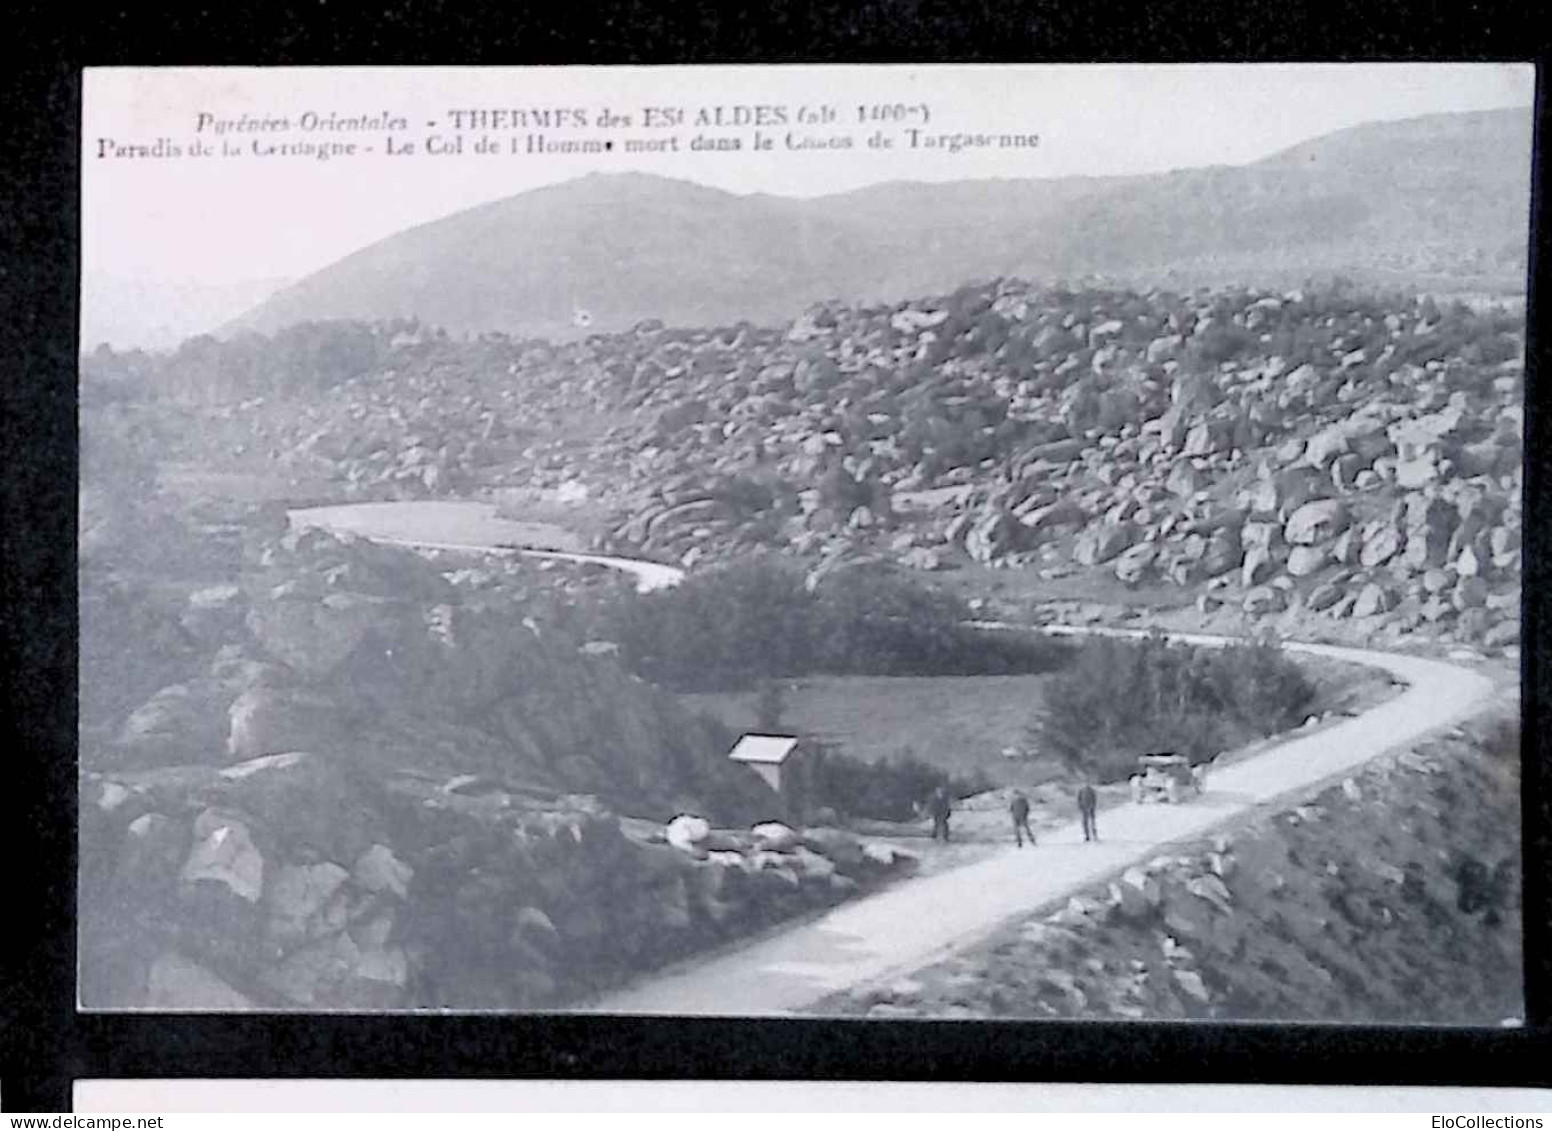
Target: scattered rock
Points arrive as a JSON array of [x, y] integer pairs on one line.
[[1316, 522], [686, 832], [224, 853]]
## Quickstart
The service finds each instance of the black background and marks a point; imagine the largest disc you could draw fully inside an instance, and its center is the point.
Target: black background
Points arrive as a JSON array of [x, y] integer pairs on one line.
[[44, 1044]]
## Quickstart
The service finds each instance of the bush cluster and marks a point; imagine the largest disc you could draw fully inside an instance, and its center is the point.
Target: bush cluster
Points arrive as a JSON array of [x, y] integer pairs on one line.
[[302, 359], [1119, 699], [890, 790], [729, 628]]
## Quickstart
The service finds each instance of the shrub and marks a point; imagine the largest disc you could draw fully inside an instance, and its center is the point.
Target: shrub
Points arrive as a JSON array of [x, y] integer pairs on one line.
[[890, 790], [722, 629], [1119, 699], [729, 628]]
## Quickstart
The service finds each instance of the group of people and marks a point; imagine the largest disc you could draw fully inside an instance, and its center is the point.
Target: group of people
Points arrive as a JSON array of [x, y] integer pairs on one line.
[[940, 808]]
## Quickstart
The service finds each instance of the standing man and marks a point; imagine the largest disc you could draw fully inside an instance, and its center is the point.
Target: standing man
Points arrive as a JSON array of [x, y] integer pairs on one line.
[[940, 807], [1018, 809], [1088, 804]]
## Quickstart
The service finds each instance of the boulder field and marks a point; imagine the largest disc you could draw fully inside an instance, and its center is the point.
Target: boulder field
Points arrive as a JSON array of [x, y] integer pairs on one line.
[[1318, 456], [363, 785], [322, 773]]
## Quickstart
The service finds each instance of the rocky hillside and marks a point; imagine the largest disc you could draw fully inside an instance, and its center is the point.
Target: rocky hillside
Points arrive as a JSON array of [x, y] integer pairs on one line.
[[1323, 461], [1390, 897], [1439, 202], [322, 773], [318, 772]]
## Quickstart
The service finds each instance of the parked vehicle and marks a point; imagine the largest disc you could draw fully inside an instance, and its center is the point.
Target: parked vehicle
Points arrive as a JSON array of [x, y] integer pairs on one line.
[[1166, 777]]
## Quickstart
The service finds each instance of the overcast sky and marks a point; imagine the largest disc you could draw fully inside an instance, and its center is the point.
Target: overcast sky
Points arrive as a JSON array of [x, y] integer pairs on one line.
[[216, 222]]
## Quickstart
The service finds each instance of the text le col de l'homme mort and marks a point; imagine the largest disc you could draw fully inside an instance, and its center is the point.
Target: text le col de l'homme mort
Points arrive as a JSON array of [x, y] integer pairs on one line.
[[812, 128]]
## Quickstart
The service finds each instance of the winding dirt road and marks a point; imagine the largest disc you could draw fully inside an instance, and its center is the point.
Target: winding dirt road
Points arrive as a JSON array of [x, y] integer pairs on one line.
[[436, 524], [918, 921]]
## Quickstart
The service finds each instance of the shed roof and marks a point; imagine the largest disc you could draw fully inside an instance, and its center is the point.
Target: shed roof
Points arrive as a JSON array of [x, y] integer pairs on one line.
[[772, 748]]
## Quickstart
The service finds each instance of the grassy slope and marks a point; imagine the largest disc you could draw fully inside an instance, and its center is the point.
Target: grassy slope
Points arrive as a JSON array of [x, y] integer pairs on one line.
[[959, 723]]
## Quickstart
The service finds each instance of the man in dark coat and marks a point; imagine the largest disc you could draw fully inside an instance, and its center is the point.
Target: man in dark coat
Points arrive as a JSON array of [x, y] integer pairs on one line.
[[1088, 805], [940, 807], [1018, 809]]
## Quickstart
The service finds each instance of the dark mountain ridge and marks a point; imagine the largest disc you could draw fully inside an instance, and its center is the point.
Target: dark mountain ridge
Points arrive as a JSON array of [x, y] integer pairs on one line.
[[1438, 202]]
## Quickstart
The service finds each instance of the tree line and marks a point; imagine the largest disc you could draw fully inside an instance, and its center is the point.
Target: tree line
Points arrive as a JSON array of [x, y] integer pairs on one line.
[[1117, 699], [729, 628]]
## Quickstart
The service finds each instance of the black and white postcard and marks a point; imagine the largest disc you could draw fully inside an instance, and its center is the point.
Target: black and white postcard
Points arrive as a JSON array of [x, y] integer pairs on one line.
[[990, 542]]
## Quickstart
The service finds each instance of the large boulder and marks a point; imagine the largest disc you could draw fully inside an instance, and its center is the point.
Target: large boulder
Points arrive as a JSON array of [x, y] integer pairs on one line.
[[1420, 471], [1429, 523], [1306, 560], [299, 900], [1184, 480], [1325, 446], [1381, 542], [180, 984], [1469, 593], [181, 724], [314, 635], [1257, 563], [317, 975], [151, 853], [1262, 496], [1208, 437], [1323, 597], [451, 661], [1101, 542], [271, 720], [1297, 486], [991, 535], [1036, 516], [1504, 634], [1345, 470], [377, 869], [924, 558], [1223, 552], [1135, 896], [1372, 600], [1133, 564], [1315, 522], [687, 832], [224, 853], [774, 836], [1259, 535], [214, 615], [1173, 426], [1264, 599], [301, 802], [1345, 549]]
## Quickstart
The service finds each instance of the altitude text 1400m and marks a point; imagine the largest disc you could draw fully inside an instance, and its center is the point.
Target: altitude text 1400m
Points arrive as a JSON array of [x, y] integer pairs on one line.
[[894, 112]]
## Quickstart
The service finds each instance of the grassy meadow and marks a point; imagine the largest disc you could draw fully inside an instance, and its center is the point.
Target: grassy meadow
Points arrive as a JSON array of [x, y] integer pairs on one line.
[[957, 723]]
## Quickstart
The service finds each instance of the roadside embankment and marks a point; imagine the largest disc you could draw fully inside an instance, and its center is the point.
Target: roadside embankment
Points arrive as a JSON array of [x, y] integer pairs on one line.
[[1390, 896]]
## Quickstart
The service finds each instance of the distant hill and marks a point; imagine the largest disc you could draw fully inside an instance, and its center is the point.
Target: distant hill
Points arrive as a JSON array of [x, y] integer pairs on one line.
[[1439, 203], [154, 314]]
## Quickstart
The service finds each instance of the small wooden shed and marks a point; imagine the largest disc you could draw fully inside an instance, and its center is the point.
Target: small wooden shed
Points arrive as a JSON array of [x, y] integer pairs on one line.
[[774, 757]]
